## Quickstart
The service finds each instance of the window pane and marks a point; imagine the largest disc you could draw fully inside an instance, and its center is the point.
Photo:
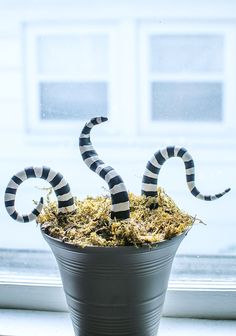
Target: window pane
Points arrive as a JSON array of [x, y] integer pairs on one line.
[[186, 101], [73, 100], [186, 53], [73, 54]]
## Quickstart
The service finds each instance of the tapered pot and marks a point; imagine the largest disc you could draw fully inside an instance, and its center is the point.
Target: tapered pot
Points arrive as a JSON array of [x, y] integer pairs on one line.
[[118, 291]]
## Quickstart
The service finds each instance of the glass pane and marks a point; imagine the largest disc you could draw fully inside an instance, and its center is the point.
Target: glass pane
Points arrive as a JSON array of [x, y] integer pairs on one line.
[[73, 54], [186, 53], [73, 100], [186, 101]]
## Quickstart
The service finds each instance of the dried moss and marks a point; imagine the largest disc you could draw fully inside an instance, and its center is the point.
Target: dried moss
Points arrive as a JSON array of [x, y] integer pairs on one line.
[[91, 225]]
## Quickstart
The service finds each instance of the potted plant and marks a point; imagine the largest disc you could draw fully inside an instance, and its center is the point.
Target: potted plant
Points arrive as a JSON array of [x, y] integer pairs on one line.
[[114, 254]]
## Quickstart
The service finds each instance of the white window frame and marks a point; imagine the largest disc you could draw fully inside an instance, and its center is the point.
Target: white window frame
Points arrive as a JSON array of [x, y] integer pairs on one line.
[[228, 124], [115, 112]]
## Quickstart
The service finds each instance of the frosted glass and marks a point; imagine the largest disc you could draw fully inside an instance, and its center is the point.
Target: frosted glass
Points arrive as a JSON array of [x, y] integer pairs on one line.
[[73, 100], [186, 101], [186, 53], [73, 54]]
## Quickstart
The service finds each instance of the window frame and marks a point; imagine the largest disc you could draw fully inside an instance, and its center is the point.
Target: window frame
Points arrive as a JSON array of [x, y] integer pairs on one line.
[[41, 287], [32, 78], [185, 27]]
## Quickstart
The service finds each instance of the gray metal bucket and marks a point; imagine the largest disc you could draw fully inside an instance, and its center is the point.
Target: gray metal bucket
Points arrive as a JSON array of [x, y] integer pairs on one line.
[[118, 291]]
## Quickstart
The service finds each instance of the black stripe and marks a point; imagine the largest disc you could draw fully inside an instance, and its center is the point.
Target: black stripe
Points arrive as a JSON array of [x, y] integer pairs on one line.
[[45, 173], [17, 180], [63, 204], [30, 172], [152, 168], [96, 164], [88, 154], [149, 193], [35, 212], [94, 121], [10, 191], [114, 181], [25, 219], [219, 195], [56, 180], [195, 192], [120, 197], [9, 203], [171, 151], [86, 130], [84, 141], [181, 152], [189, 164], [120, 214], [63, 190], [160, 159], [190, 178], [149, 180], [105, 171], [14, 215], [207, 198]]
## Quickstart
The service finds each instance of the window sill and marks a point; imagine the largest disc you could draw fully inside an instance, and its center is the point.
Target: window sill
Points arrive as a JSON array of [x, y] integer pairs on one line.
[[27, 323]]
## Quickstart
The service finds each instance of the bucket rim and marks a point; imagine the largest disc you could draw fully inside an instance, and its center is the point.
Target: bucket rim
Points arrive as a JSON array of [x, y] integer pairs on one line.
[[144, 247]]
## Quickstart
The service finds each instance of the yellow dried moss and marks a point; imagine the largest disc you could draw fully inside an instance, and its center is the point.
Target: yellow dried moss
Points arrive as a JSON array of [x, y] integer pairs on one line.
[[91, 225]]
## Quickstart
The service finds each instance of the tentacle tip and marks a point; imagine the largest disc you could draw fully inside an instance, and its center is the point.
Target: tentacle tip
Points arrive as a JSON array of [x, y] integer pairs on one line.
[[41, 200], [103, 119], [227, 190]]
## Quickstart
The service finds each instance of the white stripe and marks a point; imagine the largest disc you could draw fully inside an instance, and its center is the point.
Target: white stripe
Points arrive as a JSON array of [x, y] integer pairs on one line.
[[187, 157], [38, 171], [164, 153], [149, 187], [60, 184], [155, 163], [12, 184], [9, 197], [83, 135], [89, 161], [118, 188], [190, 171], [51, 175], [85, 148], [110, 175], [120, 206], [176, 150], [100, 168], [200, 196], [22, 175], [150, 174], [89, 125], [191, 185], [10, 209], [65, 197]]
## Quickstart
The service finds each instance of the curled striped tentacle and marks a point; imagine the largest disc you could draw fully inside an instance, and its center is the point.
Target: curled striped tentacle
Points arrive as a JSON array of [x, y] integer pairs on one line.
[[57, 181], [150, 177], [120, 208]]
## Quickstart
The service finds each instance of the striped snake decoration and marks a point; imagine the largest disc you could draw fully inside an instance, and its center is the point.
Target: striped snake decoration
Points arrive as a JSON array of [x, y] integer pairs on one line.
[[120, 208], [57, 181], [150, 177]]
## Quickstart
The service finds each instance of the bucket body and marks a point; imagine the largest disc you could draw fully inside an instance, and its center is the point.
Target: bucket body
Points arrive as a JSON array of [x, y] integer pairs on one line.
[[118, 291]]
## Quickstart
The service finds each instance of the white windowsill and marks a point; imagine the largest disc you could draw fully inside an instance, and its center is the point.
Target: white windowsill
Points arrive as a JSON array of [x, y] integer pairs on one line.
[[37, 323]]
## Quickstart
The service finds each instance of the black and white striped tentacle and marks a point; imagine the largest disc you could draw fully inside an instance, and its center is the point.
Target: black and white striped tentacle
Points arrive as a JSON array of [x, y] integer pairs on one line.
[[57, 181], [150, 177], [120, 208]]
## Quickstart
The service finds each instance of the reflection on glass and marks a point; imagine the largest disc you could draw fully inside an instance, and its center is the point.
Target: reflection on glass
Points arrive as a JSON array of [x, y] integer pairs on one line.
[[186, 53], [185, 101], [62, 101], [73, 54]]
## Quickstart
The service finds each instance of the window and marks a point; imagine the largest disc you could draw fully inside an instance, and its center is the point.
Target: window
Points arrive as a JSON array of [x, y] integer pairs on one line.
[[185, 72], [69, 74]]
